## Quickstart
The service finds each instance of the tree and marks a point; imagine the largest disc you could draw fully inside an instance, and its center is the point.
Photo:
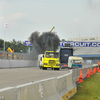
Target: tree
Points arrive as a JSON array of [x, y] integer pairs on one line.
[[1, 44], [63, 40], [7, 44], [16, 45]]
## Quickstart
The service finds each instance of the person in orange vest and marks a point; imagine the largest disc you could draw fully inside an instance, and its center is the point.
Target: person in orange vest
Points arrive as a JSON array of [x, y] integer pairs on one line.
[[99, 64]]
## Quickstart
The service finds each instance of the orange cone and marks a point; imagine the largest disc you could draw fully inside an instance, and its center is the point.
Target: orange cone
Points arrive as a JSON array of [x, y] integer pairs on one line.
[[94, 71], [91, 72], [99, 70], [88, 74], [81, 77]]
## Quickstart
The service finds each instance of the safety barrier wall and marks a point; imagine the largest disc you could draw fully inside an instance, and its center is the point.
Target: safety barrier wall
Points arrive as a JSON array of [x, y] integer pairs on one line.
[[60, 88], [17, 63], [48, 89]]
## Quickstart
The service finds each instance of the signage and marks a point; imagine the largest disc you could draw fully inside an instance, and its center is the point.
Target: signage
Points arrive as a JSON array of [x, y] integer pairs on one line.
[[81, 44], [27, 43], [5, 25]]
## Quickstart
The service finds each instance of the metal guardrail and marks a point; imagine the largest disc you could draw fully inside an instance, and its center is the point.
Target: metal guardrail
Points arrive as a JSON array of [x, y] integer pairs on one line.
[[15, 56]]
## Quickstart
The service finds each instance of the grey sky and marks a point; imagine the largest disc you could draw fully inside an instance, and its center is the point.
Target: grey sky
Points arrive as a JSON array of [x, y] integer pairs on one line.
[[70, 18]]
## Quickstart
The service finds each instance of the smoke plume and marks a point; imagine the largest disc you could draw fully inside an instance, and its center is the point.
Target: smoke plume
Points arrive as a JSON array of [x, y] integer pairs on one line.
[[44, 42]]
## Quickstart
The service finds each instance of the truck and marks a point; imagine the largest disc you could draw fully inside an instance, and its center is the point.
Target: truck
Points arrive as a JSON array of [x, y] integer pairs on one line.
[[50, 59], [65, 53]]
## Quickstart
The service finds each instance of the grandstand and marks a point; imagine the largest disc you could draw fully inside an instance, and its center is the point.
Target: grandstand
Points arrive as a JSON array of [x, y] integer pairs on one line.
[[88, 53]]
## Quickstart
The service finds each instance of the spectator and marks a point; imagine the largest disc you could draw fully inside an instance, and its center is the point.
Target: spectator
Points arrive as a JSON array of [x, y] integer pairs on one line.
[[13, 50]]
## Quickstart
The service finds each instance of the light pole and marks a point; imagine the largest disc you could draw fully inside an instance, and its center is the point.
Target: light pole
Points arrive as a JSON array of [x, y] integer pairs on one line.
[[5, 26], [79, 37], [91, 37], [97, 36], [4, 39]]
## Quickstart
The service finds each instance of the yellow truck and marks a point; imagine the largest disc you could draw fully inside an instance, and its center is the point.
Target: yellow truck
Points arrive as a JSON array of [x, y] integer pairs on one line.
[[49, 59]]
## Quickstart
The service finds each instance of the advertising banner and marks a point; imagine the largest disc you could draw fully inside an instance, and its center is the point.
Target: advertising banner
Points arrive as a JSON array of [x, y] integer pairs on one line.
[[27, 43], [81, 44]]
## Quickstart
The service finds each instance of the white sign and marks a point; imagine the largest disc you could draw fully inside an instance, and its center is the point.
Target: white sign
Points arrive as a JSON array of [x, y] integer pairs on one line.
[[81, 44], [5, 25]]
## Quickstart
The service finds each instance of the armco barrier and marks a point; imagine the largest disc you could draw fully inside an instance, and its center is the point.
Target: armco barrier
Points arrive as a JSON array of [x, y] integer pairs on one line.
[[60, 88]]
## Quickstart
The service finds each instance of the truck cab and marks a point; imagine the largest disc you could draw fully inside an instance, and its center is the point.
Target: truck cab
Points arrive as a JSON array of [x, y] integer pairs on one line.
[[49, 59]]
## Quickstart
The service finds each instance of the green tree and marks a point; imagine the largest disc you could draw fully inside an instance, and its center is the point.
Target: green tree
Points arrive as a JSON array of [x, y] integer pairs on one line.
[[16, 45], [63, 40], [7, 44], [1, 44]]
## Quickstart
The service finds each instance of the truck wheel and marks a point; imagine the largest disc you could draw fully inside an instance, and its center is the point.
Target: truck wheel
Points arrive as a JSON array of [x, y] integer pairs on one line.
[[39, 66], [44, 68], [57, 68]]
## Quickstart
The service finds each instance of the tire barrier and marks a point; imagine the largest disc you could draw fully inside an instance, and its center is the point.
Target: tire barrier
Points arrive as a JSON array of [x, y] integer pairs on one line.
[[56, 88]]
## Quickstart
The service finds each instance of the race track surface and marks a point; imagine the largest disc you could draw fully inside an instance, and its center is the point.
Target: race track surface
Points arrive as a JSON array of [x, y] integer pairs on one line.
[[17, 76]]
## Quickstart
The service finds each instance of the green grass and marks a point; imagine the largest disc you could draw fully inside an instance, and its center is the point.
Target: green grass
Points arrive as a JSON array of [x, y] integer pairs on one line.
[[89, 89]]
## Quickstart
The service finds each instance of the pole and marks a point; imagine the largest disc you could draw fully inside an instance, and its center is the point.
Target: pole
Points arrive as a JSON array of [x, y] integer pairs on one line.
[[4, 40], [79, 37], [29, 50]]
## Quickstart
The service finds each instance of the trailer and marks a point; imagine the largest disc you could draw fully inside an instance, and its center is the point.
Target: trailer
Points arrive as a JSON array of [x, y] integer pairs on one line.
[[65, 53]]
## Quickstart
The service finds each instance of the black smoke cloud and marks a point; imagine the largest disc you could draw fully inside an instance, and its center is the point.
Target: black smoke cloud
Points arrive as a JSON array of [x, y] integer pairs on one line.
[[44, 42]]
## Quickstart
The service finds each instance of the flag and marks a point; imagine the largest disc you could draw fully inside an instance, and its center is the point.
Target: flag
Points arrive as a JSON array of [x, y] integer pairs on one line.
[[5, 25]]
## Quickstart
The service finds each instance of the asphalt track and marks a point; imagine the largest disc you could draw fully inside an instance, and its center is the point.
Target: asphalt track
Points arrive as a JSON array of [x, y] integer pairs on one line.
[[16, 76]]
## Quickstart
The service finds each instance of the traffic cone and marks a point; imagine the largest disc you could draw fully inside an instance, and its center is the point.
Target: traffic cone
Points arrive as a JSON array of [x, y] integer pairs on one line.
[[99, 70], [94, 71], [91, 72], [81, 77], [88, 74]]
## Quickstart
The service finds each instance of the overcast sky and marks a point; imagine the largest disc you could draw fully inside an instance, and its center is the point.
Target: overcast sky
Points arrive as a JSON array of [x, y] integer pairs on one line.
[[71, 18]]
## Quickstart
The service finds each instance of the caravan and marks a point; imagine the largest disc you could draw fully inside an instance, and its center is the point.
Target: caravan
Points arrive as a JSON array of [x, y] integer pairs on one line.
[[75, 62]]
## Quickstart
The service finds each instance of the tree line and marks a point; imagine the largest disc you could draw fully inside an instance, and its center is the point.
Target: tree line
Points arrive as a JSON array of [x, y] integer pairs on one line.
[[17, 46]]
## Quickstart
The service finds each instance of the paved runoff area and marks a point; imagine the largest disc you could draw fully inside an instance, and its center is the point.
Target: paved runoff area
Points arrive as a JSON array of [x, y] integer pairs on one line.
[[17, 76]]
